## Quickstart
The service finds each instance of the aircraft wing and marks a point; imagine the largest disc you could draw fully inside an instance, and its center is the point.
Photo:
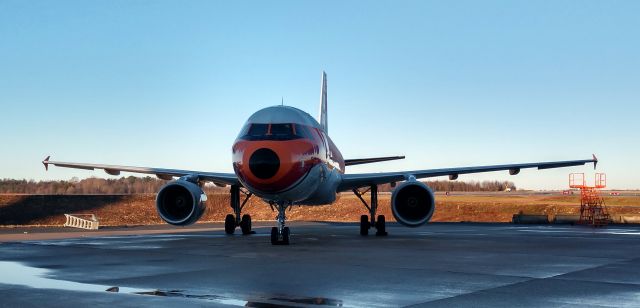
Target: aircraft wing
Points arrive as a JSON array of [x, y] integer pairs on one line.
[[351, 181], [360, 161], [219, 179]]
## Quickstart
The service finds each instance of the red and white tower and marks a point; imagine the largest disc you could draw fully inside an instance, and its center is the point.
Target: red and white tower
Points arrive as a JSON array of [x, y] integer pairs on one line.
[[592, 208]]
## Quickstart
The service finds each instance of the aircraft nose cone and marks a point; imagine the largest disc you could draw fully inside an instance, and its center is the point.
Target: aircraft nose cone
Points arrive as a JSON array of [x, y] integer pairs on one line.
[[264, 163]]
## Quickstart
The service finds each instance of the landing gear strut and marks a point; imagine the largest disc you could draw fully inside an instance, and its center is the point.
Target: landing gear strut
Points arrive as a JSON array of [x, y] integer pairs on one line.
[[232, 221], [280, 234], [370, 221]]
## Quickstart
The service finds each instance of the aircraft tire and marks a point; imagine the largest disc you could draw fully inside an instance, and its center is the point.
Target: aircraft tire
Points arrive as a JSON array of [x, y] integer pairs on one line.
[[274, 236], [229, 224], [285, 236], [364, 225], [245, 224], [381, 226]]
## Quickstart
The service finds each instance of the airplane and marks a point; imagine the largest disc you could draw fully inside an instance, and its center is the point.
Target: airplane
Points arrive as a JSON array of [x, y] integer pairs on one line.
[[285, 157]]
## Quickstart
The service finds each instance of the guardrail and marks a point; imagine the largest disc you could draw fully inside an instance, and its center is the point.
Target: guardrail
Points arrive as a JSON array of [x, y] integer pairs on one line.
[[82, 223], [529, 219], [570, 219]]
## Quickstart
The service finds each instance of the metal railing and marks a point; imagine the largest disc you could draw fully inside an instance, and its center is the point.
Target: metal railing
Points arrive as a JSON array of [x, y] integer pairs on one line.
[[83, 223]]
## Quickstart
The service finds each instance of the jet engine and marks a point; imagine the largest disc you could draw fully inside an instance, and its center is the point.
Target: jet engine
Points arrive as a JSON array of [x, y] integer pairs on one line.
[[181, 202], [412, 203]]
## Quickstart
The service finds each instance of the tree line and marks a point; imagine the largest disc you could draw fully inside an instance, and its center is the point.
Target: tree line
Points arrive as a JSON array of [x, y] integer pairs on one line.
[[462, 186], [89, 186], [150, 185]]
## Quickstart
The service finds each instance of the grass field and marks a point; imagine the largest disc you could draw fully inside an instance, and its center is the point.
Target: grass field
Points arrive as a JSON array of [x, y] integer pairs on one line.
[[118, 210]]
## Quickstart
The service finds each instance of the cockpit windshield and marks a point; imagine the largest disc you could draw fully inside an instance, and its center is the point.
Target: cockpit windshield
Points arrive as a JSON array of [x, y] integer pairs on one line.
[[282, 130], [274, 131]]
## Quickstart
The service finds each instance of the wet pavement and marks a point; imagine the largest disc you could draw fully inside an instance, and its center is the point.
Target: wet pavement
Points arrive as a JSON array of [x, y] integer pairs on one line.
[[437, 265]]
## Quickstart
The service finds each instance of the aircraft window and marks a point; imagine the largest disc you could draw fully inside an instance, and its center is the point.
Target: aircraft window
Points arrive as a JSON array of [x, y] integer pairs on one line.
[[244, 130], [258, 130], [303, 132], [282, 130], [279, 131]]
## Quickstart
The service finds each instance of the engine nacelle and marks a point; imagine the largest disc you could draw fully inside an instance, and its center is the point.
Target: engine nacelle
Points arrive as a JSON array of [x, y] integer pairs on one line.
[[181, 202], [412, 203]]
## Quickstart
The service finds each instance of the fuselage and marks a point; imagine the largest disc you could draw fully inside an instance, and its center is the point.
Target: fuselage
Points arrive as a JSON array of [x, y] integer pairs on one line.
[[283, 155]]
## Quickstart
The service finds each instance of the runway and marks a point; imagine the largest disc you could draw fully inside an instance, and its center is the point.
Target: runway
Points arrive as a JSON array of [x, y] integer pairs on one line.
[[328, 264]]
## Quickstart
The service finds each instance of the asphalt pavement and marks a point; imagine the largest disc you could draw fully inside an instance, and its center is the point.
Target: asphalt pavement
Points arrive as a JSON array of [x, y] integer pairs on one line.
[[327, 264]]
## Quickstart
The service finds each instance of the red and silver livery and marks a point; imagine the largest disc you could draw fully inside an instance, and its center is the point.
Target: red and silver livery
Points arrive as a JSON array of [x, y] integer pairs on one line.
[[286, 157]]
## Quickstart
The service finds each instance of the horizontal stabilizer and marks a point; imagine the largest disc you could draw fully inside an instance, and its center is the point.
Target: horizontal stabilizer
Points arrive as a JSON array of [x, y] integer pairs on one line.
[[360, 161]]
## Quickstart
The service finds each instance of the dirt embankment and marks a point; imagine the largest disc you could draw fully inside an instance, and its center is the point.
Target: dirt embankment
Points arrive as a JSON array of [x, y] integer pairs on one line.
[[119, 210]]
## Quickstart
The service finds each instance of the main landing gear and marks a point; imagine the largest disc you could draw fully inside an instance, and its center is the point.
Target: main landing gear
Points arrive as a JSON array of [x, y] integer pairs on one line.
[[232, 221], [367, 222], [280, 234]]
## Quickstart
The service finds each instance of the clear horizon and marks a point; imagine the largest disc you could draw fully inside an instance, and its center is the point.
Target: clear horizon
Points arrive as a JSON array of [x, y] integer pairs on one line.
[[447, 84]]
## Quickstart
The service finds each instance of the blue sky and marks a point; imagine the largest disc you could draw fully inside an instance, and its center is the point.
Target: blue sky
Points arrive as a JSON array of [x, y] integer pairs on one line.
[[446, 83]]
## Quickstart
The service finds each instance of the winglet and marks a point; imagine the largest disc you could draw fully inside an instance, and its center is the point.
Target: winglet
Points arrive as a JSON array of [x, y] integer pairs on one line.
[[595, 161], [45, 162]]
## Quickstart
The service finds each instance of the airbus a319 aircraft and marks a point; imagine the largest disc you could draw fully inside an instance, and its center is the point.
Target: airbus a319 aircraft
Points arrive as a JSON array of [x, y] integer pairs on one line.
[[285, 157]]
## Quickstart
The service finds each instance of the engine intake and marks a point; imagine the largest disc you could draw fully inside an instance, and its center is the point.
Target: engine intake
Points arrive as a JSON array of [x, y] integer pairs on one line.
[[412, 203], [181, 203]]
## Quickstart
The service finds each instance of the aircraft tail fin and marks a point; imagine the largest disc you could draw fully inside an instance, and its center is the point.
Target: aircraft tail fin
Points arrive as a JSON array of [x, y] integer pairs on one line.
[[323, 104]]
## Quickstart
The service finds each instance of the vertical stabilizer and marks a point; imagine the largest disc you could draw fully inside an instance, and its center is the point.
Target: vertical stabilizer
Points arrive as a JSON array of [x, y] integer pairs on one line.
[[323, 104]]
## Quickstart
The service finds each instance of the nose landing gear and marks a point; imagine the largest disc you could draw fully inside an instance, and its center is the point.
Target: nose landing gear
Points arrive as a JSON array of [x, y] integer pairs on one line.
[[232, 221], [280, 234], [367, 222]]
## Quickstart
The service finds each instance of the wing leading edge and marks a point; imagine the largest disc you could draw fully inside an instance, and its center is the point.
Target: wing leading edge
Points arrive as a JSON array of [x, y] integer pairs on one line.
[[360, 161], [351, 181], [165, 174]]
